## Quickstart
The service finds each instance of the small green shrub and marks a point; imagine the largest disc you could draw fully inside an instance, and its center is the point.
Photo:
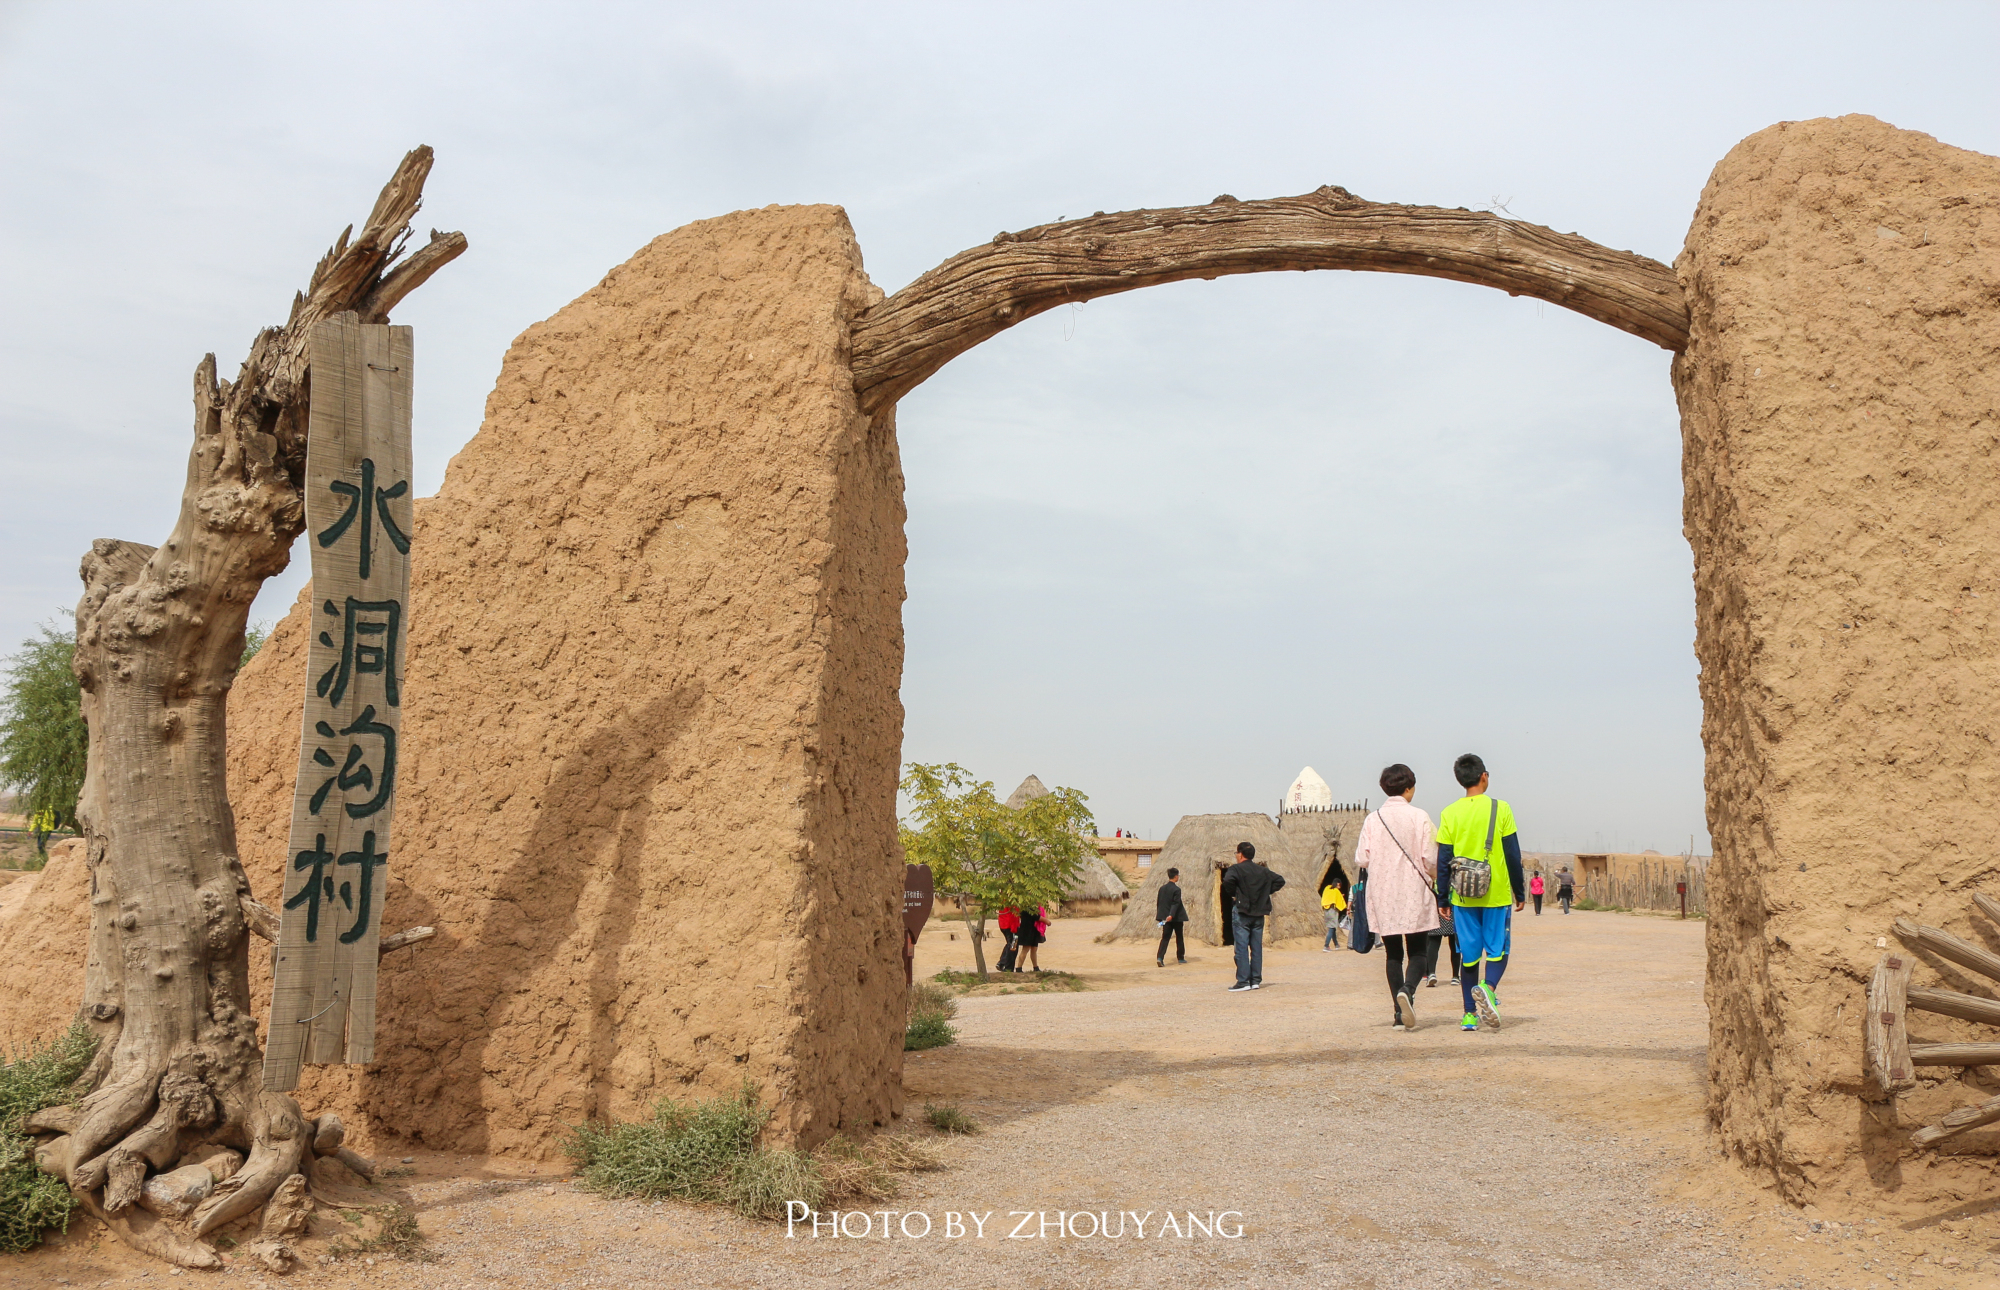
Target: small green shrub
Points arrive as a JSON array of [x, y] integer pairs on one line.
[[30, 1081], [703, 1152], [928, 1030], [927, 997], [946, 1118], [685, 1151], [960, 979]]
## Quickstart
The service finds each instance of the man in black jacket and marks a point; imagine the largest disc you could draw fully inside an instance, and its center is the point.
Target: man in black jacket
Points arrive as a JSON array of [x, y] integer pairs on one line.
[[1173, 918], [1250, 885]]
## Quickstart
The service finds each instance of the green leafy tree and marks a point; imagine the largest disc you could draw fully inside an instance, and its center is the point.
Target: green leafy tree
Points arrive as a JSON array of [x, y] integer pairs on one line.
[[42, 736], [989, 855], [254, 637]]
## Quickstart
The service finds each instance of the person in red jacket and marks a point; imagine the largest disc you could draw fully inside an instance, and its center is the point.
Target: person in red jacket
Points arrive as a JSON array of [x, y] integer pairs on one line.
[[1010, 926]]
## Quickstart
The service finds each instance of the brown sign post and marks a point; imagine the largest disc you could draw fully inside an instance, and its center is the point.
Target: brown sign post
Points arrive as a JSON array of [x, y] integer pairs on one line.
[[918, 897]]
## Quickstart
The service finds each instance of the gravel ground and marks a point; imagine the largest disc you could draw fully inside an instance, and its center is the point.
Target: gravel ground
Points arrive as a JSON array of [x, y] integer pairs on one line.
[[1564, 1150]]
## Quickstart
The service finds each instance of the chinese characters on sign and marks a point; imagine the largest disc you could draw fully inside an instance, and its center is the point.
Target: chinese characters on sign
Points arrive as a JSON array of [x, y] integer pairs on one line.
[[358, 529]]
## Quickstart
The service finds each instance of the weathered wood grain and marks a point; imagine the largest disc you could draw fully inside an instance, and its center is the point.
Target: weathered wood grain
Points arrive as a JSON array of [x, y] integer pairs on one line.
[[1946, 946], [981, 292], [358, 521], [159, 640], [1885, 1033], [1950, 1003], [1965, 1117], [408, 936], [1955, 1054]]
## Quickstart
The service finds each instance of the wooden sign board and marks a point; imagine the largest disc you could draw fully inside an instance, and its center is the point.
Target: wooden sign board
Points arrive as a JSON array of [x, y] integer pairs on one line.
[[358, 530], [918, 896]]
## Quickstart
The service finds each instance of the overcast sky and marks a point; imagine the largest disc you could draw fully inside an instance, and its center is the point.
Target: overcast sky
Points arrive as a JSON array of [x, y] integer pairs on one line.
[[1167, 547]]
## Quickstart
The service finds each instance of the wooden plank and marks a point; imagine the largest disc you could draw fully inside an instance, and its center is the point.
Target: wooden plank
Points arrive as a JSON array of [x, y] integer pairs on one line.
[[1884, 1032], [1987, 906], [1955, 1054], [1965, 1117], [1947, 946], [1950, 1003], [358, 523]]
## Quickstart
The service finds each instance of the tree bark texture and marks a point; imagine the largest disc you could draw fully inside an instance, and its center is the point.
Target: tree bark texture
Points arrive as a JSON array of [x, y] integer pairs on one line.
[[979, 293], [159, 637]]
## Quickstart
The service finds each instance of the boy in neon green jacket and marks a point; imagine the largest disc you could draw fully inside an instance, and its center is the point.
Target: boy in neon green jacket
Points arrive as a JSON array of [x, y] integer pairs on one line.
[[1480, 827]]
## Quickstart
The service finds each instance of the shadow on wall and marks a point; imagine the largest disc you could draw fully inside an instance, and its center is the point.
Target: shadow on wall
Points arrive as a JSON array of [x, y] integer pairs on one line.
[[598, 804]]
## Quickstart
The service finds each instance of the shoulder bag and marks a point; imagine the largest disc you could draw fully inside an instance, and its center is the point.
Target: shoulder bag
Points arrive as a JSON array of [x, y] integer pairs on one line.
[[1471, 878]]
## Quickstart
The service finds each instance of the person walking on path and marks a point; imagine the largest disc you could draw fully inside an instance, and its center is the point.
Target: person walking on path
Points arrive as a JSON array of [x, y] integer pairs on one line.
[[1249, 886], [1034, 930], [1398, 855], [1334, 905], [1010, 927], [1172, 916], [1473, 835], [1565, 887], [1535, 889]]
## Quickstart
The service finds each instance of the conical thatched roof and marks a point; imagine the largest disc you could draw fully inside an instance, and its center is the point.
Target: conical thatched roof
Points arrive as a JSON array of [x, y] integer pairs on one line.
[[1197, 844], [1096, 881], [1030, 789]]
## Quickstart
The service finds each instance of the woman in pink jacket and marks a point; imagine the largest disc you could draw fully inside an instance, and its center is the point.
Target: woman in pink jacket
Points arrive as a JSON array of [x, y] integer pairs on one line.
[[1398, 853]]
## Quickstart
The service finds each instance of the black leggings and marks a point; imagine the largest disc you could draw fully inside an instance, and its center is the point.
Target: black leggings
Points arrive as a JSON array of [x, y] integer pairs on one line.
[[1406, 961]]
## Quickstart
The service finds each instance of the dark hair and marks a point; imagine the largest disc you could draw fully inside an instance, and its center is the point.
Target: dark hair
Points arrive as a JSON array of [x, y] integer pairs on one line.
[[1467, 770], [1246, 850], [1173, 873], [1397, 780]]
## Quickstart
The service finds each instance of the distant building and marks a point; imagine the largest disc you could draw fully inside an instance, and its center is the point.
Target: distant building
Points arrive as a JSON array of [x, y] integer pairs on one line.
[[1131, 857], [1311, 842], [1099, 888]]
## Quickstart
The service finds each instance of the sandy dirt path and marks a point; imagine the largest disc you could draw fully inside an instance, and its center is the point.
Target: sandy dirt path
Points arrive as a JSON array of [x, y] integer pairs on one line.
[[1565, 1150]]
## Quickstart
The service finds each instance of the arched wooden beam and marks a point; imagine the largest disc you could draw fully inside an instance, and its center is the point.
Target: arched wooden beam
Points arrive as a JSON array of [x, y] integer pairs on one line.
[[982, 292]]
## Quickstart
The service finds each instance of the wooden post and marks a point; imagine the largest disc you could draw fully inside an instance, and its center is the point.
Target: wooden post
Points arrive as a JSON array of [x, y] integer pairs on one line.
[[1884, 1032], [357, 528]]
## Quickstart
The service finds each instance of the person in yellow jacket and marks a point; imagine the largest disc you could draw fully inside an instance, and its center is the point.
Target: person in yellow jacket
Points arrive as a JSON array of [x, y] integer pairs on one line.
[[1333, 901]]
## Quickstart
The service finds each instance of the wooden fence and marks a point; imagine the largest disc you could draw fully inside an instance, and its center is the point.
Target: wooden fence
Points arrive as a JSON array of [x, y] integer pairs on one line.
[[1649, 884]]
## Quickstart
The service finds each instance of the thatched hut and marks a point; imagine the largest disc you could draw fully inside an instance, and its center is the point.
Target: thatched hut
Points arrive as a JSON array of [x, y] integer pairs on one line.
[[1323, 839], [1097, 891], [1201, 843], [1031, 788]]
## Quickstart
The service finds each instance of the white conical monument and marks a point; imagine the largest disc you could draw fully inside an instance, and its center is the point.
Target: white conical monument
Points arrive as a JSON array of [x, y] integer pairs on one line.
[[1308, 793]]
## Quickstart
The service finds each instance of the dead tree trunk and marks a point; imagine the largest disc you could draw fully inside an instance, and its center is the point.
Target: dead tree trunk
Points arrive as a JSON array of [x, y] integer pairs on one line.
[[159, 634]]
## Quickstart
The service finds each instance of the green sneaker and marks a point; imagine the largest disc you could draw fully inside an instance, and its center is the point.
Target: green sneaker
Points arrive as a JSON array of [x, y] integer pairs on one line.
[[1468, 1022], [1488, 1003]]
